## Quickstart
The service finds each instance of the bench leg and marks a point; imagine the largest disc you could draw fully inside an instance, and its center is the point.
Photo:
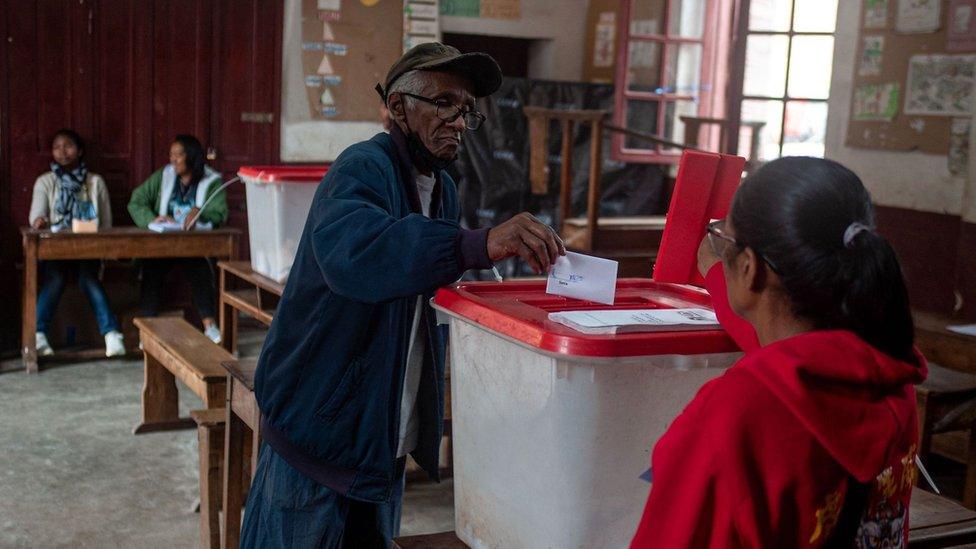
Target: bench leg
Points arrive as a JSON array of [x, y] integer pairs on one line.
[[969, 490], [160, 400], [211, 443], [234, 430], [924, 431]]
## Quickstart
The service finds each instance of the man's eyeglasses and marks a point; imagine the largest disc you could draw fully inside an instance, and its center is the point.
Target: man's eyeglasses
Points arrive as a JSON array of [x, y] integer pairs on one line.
[[449, 112], [719, 241]]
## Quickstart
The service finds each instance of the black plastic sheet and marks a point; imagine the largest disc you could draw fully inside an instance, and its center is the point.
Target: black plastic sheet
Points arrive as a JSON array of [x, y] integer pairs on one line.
[[492, 169]]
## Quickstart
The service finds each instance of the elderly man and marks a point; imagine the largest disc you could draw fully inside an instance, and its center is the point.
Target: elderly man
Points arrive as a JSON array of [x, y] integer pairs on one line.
[[351, 377]]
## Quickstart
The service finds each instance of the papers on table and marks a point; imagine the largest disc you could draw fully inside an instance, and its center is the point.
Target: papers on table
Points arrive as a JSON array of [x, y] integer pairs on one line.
[[637, 320], [165, 226], [964, 329], [583, 277]]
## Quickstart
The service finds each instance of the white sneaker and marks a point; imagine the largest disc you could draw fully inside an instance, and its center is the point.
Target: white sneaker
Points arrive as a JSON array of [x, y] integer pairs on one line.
[[43, 347], [114, 344], [213, 332]]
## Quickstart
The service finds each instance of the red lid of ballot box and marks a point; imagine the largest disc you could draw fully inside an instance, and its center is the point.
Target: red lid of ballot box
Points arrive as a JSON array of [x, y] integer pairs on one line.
[[284, 174], [520, 310]]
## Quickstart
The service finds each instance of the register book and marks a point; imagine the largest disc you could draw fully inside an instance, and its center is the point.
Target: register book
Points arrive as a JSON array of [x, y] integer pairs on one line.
[[623, 321]]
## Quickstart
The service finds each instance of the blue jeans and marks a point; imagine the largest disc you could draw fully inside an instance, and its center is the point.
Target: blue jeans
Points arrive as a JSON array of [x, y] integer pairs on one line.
[[53, 274], [286, 509]]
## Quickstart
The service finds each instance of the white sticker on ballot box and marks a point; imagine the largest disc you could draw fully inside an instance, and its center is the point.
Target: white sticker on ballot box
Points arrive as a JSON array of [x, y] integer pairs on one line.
[[583, 277]]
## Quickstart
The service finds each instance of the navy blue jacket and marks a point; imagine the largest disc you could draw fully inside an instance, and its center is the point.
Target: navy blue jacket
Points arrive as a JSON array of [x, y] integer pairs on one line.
[[330, 376]]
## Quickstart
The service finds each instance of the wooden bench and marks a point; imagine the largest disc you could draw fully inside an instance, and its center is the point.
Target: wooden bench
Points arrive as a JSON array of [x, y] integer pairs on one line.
[[947, 420], [935, 521], [242, 440], [210, 436], [173, 349], [441, 540]]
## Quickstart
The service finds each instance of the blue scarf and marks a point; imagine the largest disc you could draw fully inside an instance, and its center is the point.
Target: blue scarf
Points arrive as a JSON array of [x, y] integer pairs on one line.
[[70, 183]]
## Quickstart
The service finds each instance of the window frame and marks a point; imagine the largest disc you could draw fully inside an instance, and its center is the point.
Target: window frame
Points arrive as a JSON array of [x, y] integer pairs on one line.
[[707, 78]]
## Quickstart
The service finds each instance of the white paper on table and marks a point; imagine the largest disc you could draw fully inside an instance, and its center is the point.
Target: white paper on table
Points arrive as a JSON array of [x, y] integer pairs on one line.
[[165, 226], [964, 329], [583, 277]]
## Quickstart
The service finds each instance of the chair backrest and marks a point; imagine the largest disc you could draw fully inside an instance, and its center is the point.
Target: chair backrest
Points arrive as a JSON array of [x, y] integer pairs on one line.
[[703, 191]]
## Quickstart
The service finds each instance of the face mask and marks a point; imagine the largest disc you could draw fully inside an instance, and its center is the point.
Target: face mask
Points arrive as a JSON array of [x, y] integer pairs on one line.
[[424, 160]]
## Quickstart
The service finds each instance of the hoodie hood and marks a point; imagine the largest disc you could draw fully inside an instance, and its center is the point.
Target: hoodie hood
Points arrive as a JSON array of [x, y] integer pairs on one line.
[[845, 392]]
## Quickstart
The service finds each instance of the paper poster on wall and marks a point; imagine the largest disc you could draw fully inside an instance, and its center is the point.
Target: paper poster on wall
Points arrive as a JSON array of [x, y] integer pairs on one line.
[[876, 14], [940, 85], [918, 16], [958, 157], [876, 102], [486, 9], [872, 54], [604, 40], [961, 35]]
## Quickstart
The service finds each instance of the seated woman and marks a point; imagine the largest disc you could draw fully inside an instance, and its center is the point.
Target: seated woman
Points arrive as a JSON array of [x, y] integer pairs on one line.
[[810, 439], [57, 194], [186, 192]]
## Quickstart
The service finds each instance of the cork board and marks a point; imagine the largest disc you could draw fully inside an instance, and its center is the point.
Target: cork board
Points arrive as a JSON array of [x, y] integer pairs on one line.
[[881, 95], [347, 48]]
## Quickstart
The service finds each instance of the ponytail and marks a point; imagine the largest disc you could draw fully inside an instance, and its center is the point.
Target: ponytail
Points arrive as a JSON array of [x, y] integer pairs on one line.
[[812, 218]]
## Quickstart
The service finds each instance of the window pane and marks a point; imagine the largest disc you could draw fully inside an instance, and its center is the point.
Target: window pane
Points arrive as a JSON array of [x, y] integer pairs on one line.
[[770, 112], [815, 15], [644, 67], [806, 124], [674, 127], [641, 117], [812, 58], [766, 65], [770, 15], [687, 18], [647, 16], [684, 69]]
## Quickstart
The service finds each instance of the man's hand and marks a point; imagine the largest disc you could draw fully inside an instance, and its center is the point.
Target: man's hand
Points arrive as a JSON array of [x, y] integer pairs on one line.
[[706, 257], [527, 237], [191, 219], [164, 219], [39, 223]]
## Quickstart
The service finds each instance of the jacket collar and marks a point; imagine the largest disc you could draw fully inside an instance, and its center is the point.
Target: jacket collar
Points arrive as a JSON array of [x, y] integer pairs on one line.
[[405, 168]]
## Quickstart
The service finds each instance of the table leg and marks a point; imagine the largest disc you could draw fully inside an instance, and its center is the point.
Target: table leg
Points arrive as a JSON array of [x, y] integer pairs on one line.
[[160, 400], [211, 445], [28, 346], [228, 318], [233, 475]]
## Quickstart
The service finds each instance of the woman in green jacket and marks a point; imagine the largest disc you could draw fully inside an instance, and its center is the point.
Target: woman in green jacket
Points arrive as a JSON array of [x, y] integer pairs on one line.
[[185, 192]]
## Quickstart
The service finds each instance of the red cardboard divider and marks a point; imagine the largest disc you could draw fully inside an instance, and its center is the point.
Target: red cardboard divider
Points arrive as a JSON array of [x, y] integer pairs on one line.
[[703, 191]]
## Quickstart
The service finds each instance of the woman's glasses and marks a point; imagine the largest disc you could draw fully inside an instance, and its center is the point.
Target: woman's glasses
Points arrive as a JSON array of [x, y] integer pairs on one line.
[[449, 112], [719, 241]]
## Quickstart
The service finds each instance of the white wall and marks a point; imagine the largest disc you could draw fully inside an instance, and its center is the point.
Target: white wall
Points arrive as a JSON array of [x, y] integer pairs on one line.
[[304, 139], [559, 25], [911, 180]]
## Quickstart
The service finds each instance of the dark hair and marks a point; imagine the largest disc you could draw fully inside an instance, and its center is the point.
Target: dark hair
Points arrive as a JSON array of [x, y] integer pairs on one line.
[[795, 212], [74, 137], [195, 157]]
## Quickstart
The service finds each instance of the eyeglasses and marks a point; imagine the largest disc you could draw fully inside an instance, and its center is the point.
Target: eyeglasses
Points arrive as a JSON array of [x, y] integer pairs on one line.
[[449, 112], [719, 241]]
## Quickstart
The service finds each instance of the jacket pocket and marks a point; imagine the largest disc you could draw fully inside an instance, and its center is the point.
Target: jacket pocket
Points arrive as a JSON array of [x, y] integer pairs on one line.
[[344, 392]]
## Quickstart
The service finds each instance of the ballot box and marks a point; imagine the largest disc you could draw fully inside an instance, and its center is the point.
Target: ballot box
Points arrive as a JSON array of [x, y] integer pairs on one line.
[[278, 200], [553, 428]]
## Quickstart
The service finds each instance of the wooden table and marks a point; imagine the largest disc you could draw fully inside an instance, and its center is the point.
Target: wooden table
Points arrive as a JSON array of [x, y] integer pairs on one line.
[[244, 291], [942, 346], [243, 415], [935, 521], [114, 243]]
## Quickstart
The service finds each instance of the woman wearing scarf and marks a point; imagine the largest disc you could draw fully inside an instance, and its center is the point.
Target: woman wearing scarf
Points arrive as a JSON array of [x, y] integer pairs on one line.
[[68, 190], [177, 193]]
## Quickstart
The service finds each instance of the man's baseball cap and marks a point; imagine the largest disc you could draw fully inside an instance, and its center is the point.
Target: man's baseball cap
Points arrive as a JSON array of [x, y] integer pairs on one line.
[[479, 68]]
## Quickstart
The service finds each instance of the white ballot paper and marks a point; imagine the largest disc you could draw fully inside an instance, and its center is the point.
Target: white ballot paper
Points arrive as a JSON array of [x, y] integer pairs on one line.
[[622, 321], [165, 226], [583, 277]]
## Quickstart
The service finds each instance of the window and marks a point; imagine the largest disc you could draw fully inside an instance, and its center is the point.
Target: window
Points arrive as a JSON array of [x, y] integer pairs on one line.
[[789, 48], [662, 73]]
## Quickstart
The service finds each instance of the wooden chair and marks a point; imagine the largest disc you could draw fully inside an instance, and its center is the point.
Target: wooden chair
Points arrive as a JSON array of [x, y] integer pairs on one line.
[[947, 421], [173, 349], [210, 436]]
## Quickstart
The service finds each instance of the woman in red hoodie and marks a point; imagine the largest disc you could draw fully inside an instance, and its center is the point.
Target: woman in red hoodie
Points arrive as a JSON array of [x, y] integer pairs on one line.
[[810, 439]]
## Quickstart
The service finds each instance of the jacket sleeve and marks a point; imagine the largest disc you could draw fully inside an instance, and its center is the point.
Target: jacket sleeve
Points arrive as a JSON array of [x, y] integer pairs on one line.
[[367, 254], [216, 211], [39, 203], [739, 329], [104, 203], [142, 204]]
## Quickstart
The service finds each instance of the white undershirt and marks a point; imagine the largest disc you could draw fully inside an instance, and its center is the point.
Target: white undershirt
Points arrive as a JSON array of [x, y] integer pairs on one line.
[[409, 421]]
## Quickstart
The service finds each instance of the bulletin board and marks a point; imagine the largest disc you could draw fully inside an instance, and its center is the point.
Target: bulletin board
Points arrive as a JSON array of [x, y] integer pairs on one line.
[[347, 48], [915, 77]]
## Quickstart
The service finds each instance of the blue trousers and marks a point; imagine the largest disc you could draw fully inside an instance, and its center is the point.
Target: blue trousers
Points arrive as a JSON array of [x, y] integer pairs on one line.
[[286, 509], [53, 274]]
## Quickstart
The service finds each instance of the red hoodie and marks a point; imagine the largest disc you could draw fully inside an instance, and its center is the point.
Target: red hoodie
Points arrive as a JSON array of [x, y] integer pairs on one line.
[[763, 456]]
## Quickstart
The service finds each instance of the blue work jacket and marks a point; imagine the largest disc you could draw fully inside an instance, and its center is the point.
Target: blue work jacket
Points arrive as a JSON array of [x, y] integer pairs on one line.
[[330, 377]]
